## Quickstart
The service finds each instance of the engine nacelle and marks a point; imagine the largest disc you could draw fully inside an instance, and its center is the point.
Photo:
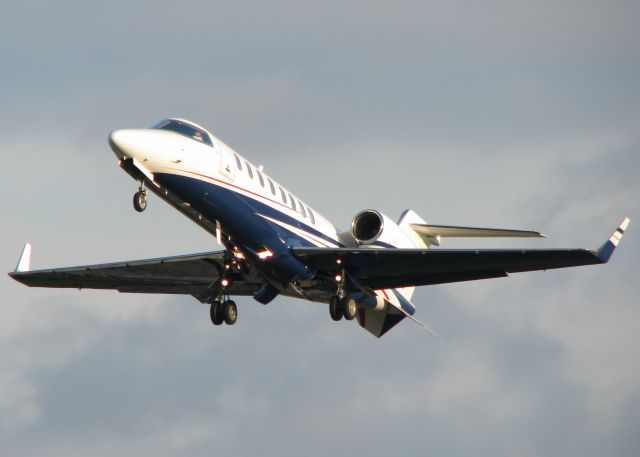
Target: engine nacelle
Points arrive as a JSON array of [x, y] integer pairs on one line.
[[371, 227]]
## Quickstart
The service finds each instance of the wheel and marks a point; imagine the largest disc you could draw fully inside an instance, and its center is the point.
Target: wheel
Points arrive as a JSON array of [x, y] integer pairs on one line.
[[230, 312], [216, 313], [335, 309], [350, 309], [140, 201]]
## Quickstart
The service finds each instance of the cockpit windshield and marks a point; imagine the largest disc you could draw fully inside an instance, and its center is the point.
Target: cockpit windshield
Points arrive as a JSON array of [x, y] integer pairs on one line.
[[184, 129]]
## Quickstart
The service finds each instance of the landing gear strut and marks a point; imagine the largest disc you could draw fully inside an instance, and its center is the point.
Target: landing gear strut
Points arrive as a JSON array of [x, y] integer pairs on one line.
[[223, 311], [140, 200]]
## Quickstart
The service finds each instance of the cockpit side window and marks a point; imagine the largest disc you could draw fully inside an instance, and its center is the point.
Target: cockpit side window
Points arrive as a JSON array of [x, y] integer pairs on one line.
[[249, 170], [273, 189], [238, 162], [184, 129], [284, 196]]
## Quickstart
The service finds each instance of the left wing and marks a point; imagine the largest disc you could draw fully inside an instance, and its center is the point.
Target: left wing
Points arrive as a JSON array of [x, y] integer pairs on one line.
[[192, 274], [395, 268]]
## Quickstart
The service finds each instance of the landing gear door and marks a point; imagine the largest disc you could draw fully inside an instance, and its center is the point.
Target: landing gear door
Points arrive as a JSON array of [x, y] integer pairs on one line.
[[227, 163]]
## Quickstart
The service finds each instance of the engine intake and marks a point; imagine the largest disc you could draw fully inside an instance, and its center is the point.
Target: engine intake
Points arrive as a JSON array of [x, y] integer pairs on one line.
[[367, 226]]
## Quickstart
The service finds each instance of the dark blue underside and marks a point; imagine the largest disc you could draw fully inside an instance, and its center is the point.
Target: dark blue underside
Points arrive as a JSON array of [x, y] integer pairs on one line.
[[237, 213]]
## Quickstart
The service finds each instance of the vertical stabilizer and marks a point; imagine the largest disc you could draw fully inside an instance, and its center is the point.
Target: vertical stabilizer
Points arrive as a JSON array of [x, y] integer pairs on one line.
[[407, 218]]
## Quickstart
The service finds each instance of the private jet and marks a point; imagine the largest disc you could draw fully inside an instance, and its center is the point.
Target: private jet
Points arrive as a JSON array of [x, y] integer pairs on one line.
[[276, 244]]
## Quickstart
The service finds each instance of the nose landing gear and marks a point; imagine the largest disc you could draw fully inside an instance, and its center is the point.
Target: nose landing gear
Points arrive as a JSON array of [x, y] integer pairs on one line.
[[140, 200]]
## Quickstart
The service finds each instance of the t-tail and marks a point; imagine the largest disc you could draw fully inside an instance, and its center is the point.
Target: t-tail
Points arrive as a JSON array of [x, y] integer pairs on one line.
[[396, 303]]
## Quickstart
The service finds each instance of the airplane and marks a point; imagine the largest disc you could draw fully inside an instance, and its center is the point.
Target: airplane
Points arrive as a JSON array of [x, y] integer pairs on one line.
[[276, 244]]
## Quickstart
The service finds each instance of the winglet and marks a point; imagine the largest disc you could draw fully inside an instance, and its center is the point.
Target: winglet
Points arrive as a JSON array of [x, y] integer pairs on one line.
[[24, 264], [606, 250]]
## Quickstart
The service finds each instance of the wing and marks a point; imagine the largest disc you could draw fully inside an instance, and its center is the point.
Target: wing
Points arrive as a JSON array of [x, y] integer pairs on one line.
[[192, 274], [394, 268]]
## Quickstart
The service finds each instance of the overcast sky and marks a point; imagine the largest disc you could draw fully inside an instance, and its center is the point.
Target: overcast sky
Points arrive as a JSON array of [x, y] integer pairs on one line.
[[510, 114]]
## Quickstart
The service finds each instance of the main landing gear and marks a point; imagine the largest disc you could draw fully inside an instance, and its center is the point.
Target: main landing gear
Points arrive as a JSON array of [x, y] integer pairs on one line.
[[224, 311], [343, 307], [140, 200]]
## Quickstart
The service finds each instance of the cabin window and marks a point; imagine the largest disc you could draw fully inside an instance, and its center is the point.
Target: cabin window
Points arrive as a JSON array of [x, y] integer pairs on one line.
[[273, 188], [249, 170], [293, 202], [238, 162], [260, 178]]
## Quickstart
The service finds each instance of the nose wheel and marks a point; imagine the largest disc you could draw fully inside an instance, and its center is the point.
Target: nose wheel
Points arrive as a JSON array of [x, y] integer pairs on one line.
[[140, 200]]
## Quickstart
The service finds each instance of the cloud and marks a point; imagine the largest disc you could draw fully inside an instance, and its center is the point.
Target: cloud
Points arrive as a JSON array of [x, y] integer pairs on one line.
[[522, 116]]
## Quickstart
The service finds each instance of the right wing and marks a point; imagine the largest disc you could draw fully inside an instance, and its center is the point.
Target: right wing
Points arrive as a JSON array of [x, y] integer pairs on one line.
[[193, 274], [395, 268]]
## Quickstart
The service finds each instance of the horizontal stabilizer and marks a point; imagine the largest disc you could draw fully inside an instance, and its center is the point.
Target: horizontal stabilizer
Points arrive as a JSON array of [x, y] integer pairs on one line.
[[431, 234], [449, 231]]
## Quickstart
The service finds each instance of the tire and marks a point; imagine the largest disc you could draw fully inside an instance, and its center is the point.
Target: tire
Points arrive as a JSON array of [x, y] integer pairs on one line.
[[335, 309], [216, 313], [350, 309], [230, 312], [140, 201]]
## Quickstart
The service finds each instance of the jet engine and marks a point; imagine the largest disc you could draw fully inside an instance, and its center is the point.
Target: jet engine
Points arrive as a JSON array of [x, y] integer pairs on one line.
[[371, 227]]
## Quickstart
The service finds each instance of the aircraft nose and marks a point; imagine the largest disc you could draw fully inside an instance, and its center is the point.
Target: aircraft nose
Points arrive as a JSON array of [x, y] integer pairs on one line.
[[125, 143]]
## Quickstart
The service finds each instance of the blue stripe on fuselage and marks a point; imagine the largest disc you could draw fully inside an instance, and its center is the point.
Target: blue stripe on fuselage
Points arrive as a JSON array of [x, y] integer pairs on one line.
[[237, 212]]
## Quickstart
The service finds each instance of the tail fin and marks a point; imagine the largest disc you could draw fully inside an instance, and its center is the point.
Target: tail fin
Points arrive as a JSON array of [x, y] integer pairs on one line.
[[407, 219]]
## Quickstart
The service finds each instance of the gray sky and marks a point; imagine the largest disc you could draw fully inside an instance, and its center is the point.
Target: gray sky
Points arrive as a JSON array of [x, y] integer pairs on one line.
[[515, 114]]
